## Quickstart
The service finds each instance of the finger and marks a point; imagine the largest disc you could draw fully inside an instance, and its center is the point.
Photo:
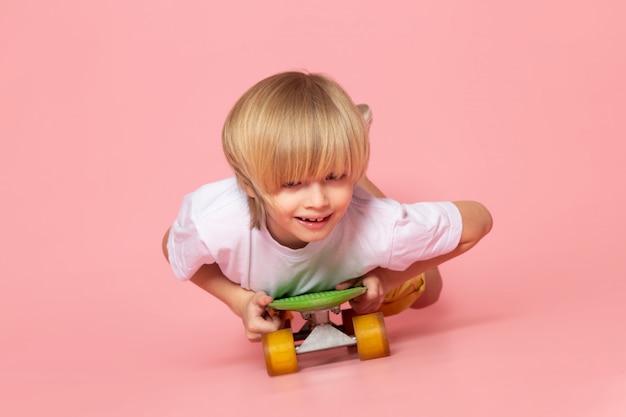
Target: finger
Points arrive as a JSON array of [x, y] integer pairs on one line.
[[374, 286], [349, 284], [256, 334], [265, 324], [363, 305], [367, 298], [367, 309], [254, 337], [261, 299], [363, 308]]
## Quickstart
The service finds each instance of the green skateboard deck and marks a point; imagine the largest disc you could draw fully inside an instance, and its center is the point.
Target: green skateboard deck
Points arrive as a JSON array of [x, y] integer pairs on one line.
[[323, 300]]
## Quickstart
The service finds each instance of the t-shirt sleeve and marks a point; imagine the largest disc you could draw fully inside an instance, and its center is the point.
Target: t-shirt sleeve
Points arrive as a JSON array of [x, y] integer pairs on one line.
[[186, 249], [424, 231]]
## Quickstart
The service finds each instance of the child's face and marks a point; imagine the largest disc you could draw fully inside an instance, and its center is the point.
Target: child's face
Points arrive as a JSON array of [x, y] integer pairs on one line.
[[307, 211]]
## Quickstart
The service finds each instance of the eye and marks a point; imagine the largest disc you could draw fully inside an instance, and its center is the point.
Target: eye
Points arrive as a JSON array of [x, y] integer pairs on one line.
[[290, 184], [334, 177]]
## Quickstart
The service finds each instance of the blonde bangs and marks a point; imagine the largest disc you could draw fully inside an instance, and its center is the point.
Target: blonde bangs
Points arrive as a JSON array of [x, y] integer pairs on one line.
[[311, 145]]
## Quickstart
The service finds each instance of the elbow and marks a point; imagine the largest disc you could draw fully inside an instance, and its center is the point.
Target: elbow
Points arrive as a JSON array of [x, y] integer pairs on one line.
[[164, 245], [487, 220], [477, 223]]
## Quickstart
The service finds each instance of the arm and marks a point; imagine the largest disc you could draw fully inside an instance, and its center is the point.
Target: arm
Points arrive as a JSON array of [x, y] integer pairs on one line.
[[477, 222], [248, 305]]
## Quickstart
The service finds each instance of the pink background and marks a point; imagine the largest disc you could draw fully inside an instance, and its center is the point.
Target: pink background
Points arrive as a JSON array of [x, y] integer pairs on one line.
[[110, 111]]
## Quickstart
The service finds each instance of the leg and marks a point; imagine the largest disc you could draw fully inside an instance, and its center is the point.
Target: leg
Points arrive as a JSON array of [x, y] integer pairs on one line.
[[434, 285]]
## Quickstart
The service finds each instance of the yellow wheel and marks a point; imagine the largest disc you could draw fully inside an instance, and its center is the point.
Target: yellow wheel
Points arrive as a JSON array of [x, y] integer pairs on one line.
[[280, 352], [371, 336]]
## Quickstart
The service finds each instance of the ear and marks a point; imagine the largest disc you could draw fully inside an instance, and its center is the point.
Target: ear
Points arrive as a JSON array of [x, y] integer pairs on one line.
[[249, 191]]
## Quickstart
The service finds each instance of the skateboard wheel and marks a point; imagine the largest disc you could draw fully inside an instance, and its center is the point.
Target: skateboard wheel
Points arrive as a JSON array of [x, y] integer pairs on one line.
[[280, 352], [371, 336]]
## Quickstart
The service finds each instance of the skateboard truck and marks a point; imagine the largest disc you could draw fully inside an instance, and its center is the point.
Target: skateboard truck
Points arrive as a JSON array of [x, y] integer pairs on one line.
[[367, 332], [322, 333]]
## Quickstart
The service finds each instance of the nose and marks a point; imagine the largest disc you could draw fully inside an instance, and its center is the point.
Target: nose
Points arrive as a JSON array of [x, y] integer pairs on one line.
[[316, 196]]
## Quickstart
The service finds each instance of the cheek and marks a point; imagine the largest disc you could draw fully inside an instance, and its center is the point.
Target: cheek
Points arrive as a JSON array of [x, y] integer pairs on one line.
[[281, 206], [344, 199]]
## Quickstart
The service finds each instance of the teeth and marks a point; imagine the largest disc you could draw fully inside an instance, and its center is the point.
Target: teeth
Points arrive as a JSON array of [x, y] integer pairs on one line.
[[312, 220]]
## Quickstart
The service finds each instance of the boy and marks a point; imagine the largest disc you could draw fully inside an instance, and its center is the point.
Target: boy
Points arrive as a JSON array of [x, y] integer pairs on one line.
[[301, 216]]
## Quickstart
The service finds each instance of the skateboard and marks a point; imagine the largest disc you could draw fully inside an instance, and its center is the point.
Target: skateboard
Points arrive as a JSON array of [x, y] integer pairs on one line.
[[367, 332]]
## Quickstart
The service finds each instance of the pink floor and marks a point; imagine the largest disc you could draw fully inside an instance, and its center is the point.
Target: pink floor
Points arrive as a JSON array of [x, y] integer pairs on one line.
[[111, 111]]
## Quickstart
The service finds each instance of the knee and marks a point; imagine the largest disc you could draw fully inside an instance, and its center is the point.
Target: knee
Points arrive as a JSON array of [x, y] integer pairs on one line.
[[434, 285]]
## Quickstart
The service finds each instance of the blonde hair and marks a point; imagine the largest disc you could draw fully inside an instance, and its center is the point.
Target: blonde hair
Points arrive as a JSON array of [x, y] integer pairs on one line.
[[289, 127]]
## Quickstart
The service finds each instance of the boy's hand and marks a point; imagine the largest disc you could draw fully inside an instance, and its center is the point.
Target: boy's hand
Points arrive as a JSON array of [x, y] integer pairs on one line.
[[248, 305], [373, 298], [255, 319]]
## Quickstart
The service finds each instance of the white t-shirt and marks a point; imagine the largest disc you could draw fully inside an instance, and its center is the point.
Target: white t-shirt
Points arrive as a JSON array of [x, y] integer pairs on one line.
[[213, 226]]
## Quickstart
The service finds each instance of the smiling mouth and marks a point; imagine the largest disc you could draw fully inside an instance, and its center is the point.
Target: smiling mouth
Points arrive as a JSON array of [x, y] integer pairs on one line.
[[313, 220]]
